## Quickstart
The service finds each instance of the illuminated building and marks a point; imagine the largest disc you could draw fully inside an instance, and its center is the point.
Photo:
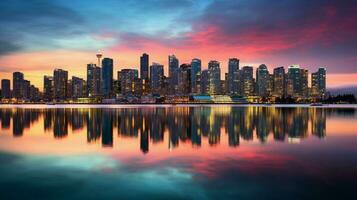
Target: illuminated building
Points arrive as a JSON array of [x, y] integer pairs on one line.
[[279, 88], [214, 77], [247, 81], [205, 82], [195, 75], [232, 79], [294, 82], [263, 81], [304, 83], [318, 83], [127, 78], [157, 77], [173, 73], [93, 80], [60, 79], [184, 79], [78, 87], [138, 86]]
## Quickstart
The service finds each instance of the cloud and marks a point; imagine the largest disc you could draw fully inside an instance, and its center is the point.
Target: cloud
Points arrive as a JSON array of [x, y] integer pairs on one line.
[[281, 32], [28, 25]]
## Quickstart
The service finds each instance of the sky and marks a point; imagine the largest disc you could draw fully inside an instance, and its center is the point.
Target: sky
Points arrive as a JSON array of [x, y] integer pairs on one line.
[[38, 36]]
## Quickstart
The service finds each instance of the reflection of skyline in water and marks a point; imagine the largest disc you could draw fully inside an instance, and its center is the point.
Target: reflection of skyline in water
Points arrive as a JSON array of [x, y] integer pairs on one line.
[[181, 124]]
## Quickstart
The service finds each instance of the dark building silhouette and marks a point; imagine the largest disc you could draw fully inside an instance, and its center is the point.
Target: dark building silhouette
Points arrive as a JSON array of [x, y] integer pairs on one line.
[[5, 89], [60, 81], [93, 80], [144, 66], [195, 75], [107, 77], [233, 68], [17, 81]]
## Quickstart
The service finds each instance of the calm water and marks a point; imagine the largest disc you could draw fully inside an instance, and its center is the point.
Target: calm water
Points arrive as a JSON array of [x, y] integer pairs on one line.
[[178, 152]]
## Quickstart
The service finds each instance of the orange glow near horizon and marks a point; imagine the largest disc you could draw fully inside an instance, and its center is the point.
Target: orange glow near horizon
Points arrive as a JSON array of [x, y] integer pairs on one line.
[[35, 65]]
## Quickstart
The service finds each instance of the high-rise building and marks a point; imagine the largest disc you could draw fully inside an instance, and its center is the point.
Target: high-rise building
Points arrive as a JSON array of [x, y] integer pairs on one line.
[[48, 88], [144, 67], [232, 78], [93, 80], [127, 80], [304, 83], [318, 83], [17, 81], [26, 90], [157, 76], [185, 84], [138, 86], [69, 93], [118, 90], [247, 81], [34, 95], [263, 81], [205, 81], [60, 80], [173, 73], [5, 89], [78, 87], [294, 82], [107, 77], [195, 75], [279, 82], [214, 77]]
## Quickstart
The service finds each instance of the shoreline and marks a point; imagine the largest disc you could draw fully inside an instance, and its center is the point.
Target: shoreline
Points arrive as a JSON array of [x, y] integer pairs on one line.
[[101, 105]]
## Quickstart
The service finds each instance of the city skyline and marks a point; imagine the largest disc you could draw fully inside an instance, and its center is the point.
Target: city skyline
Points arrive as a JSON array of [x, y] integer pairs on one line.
[[185, 83], [279, 34]]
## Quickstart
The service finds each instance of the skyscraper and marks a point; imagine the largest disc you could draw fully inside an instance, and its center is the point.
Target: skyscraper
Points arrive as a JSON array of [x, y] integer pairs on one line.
[[144, 67], [205, 81], [173, 73], [247, 81], [5, 89], [214, 77], [93, 80], [118, 90], [232, 79], [294, 82], [34, 95], [263, 79], [195, 74], [157, 77], [107, 77], [279, 82], [48, 88], [26, 89], [127, 80], [304, 82], [60, 79], [69, 93], [78, 87], [185, 78], [318, 83], [17, 81]]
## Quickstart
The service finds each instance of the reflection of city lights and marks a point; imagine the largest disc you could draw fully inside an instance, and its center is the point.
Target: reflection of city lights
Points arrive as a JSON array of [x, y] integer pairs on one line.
[[179, 124]]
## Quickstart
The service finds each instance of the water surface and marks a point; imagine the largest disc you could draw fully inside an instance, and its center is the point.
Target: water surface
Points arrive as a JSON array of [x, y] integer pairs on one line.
[[178, 152]]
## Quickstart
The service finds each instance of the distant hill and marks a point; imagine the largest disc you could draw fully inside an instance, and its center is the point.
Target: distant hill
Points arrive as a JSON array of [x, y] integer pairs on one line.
[[343, 90]]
